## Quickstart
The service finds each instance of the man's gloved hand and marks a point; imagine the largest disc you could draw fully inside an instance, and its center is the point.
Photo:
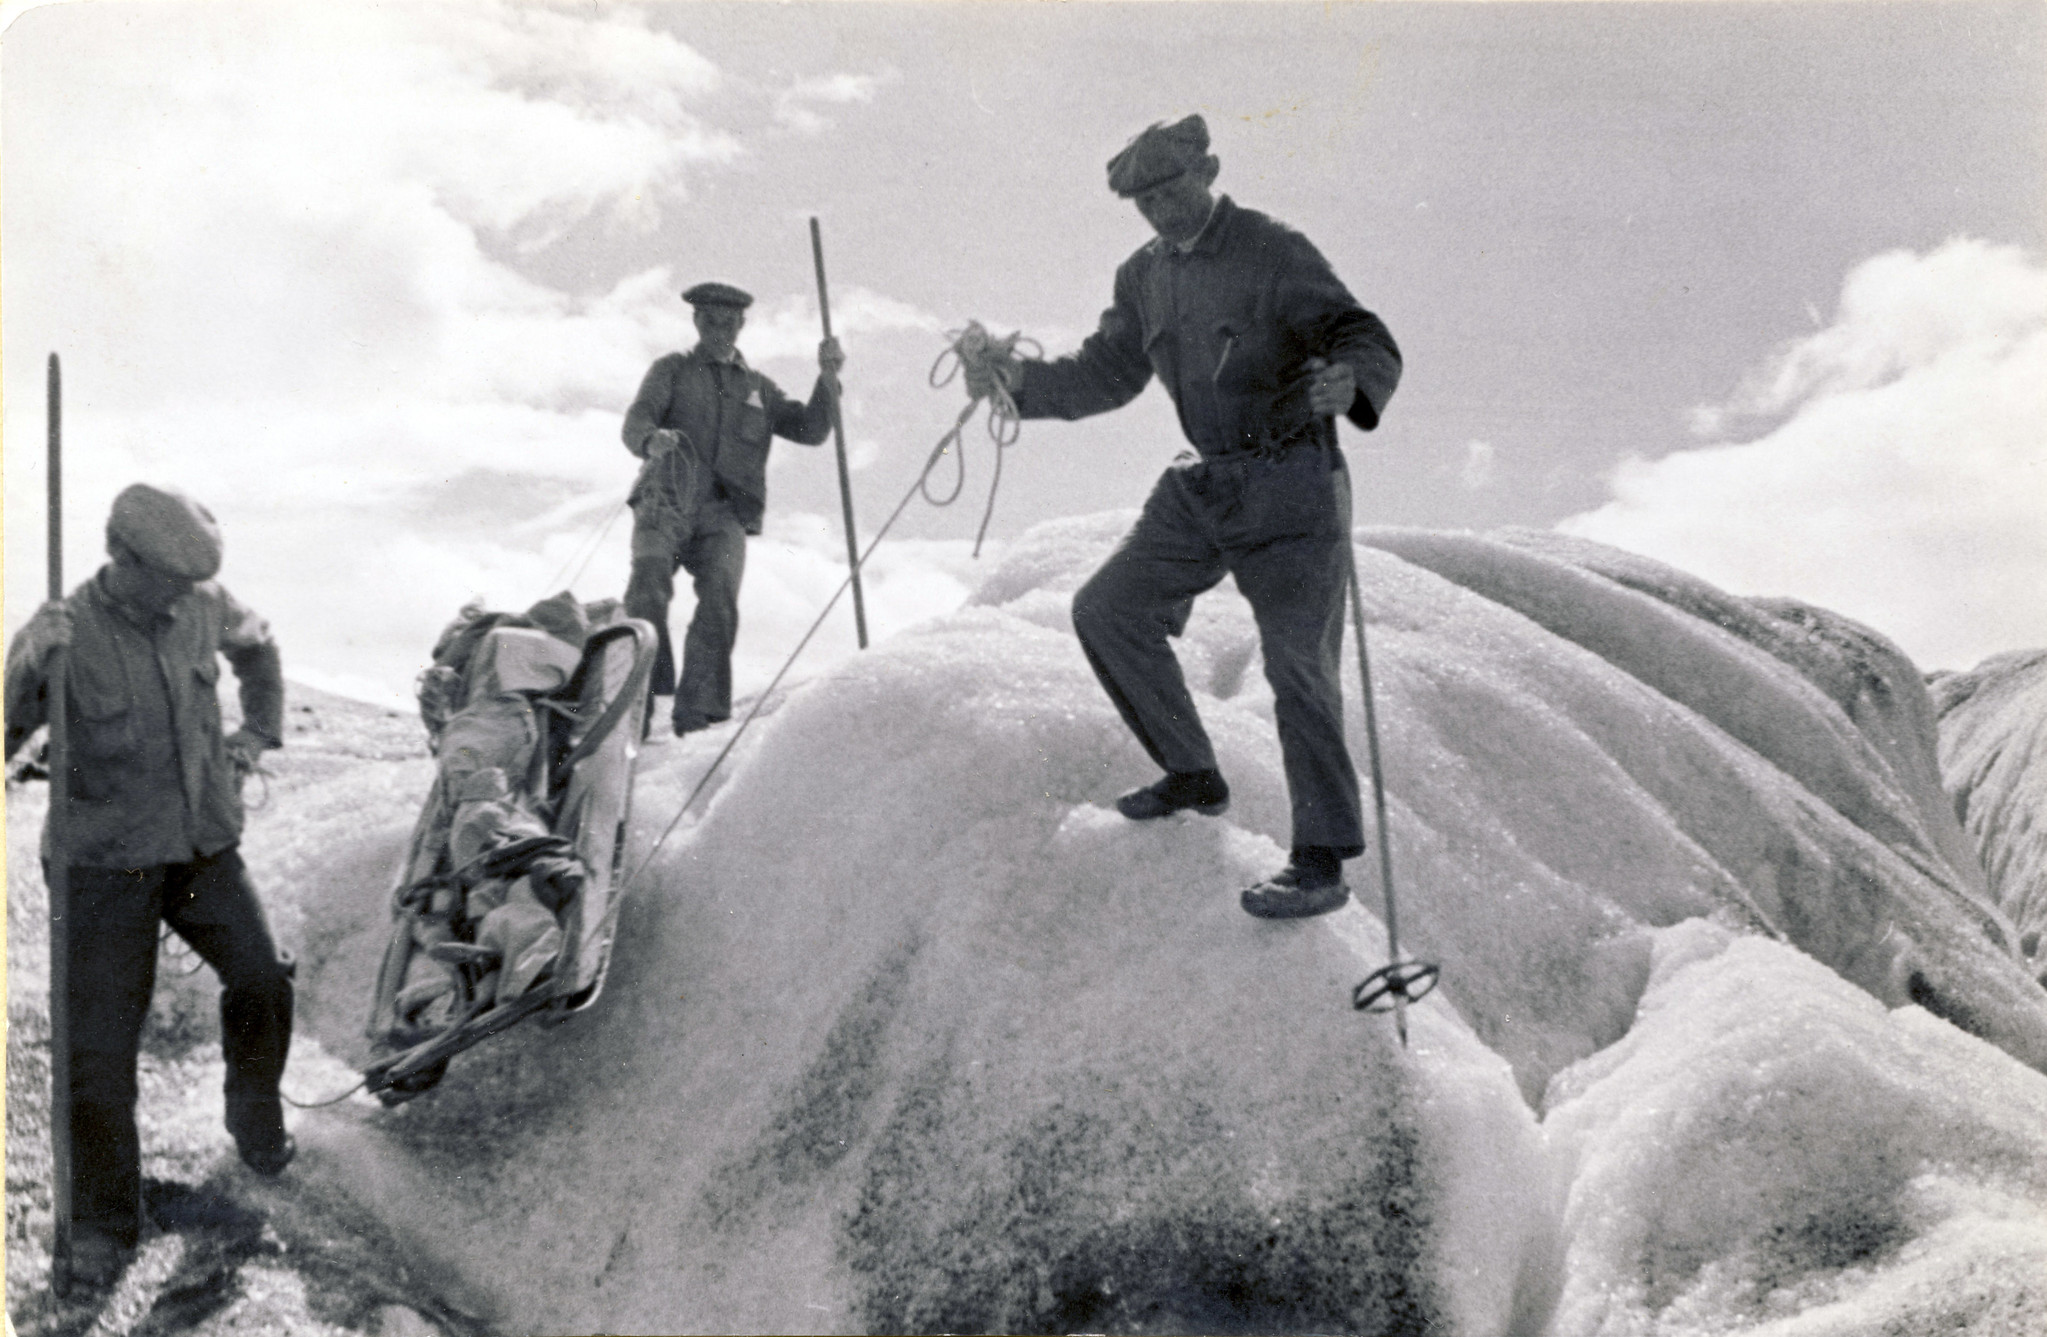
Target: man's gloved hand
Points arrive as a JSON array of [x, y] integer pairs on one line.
[[48, 630], [663, 441], [1331, 387], [984, 374], [244, 751]]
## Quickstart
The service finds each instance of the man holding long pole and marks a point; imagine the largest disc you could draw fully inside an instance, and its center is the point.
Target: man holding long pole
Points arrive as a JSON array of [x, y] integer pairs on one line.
[[145, 831], [702, 422]]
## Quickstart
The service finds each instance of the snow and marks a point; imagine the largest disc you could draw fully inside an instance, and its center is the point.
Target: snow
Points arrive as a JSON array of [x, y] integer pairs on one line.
[[1993, 753], [1770, 1150], [907, 1030]]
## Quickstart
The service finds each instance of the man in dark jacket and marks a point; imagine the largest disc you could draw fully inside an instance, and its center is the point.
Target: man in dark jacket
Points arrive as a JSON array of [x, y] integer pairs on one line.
[[152, 830], [703, 421], [1260, 346]]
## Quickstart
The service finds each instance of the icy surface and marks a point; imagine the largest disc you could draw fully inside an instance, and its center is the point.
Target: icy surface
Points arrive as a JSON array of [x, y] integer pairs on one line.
[[1769, 1150], [909, 1031], [1993, 753]]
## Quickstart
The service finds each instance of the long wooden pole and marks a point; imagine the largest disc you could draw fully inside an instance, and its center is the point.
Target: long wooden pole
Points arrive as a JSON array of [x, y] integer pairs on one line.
[[824, 310], [57, 872]]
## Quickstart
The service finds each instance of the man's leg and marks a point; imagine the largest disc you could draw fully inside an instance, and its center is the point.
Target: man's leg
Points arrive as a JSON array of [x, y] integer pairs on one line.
[[212, 905], [113, 971], [715, 558], [651, 588], [1296, 590], [1289, 559], [1128, 609], [1296, 584]]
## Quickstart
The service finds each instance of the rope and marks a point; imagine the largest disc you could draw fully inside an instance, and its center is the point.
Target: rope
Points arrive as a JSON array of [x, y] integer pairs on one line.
[[174, 947], [978, 355], [322, 1104], [587, 549], [984, 359], [257, 768]]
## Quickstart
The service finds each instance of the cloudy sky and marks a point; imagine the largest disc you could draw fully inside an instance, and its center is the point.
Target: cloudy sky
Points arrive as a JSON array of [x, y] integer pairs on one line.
[[1757, 289]]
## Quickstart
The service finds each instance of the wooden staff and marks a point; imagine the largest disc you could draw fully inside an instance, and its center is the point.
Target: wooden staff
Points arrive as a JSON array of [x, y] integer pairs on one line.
[[824, 310], [57, 871]]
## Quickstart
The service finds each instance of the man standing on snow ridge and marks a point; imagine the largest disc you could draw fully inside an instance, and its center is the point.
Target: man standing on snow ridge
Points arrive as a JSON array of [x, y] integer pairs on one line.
[[153, 826], [702, 421], [1260, 345]]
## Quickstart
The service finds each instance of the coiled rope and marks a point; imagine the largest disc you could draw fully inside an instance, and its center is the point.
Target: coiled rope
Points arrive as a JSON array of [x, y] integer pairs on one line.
[[978, 355]]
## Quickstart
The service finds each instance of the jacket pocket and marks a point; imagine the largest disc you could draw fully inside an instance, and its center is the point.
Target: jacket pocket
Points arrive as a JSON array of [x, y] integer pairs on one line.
[[750, 428], [103, 716]]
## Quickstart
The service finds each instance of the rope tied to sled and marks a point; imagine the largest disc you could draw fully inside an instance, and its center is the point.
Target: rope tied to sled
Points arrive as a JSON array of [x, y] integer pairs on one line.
[[989, 365]]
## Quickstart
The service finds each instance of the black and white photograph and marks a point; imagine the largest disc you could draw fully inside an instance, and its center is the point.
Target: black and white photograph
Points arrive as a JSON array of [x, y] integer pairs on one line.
[[1025, 666]]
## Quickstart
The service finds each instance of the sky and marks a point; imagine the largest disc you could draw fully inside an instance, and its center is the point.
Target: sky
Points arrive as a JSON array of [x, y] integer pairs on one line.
[[1757, 289]]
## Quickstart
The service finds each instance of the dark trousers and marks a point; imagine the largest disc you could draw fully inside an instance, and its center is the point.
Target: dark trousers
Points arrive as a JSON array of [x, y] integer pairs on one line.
[[710, 544], [115, 913], [1279, 526]]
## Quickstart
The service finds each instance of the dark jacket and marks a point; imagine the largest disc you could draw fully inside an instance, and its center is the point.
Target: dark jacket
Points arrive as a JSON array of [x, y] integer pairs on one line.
[[150, 781], [726, 413], [1227, 326]]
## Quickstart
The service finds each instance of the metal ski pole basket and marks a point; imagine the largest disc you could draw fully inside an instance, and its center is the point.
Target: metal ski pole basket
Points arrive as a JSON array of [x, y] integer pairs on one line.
[[504, 907]]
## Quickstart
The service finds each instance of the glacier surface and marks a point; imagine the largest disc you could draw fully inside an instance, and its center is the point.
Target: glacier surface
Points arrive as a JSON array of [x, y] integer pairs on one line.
[[908, 1031]]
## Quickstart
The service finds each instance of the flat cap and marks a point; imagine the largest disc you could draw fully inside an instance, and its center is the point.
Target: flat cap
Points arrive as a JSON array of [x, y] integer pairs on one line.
[[718, 294], [1161, 153], [167, 530]]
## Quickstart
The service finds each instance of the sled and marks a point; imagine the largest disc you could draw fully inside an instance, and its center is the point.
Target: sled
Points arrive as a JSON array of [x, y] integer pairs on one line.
[[535, 842]]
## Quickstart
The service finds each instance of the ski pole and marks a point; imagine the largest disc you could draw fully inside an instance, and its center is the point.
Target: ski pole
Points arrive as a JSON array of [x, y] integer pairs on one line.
[[824, 311], [1357, 615], [57, 871], [1399, 980]]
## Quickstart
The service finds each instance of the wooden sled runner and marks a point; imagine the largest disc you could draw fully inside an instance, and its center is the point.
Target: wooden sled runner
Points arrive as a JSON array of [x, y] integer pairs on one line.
[[508, 900]]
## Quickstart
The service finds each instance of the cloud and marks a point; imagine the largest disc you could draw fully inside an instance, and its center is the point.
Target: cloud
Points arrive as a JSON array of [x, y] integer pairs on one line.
[[1480, 465], [1906, 483], [296, 196], [794, 105], [280, 250], [791, 327]]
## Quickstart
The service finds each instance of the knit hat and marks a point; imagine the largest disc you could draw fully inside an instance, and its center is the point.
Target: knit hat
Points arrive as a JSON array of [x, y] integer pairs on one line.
[[1159, 154], [167, 530]]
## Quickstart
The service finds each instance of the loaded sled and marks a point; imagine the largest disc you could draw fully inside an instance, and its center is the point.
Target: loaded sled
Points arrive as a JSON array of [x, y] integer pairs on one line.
[[507, 902]]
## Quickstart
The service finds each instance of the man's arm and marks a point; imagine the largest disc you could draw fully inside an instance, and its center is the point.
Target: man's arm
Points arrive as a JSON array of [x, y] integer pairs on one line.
[[27, 695], [259, 671], [649, 406], [1362, 342], [806, 424], [1315, 302], [1108, 370]]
